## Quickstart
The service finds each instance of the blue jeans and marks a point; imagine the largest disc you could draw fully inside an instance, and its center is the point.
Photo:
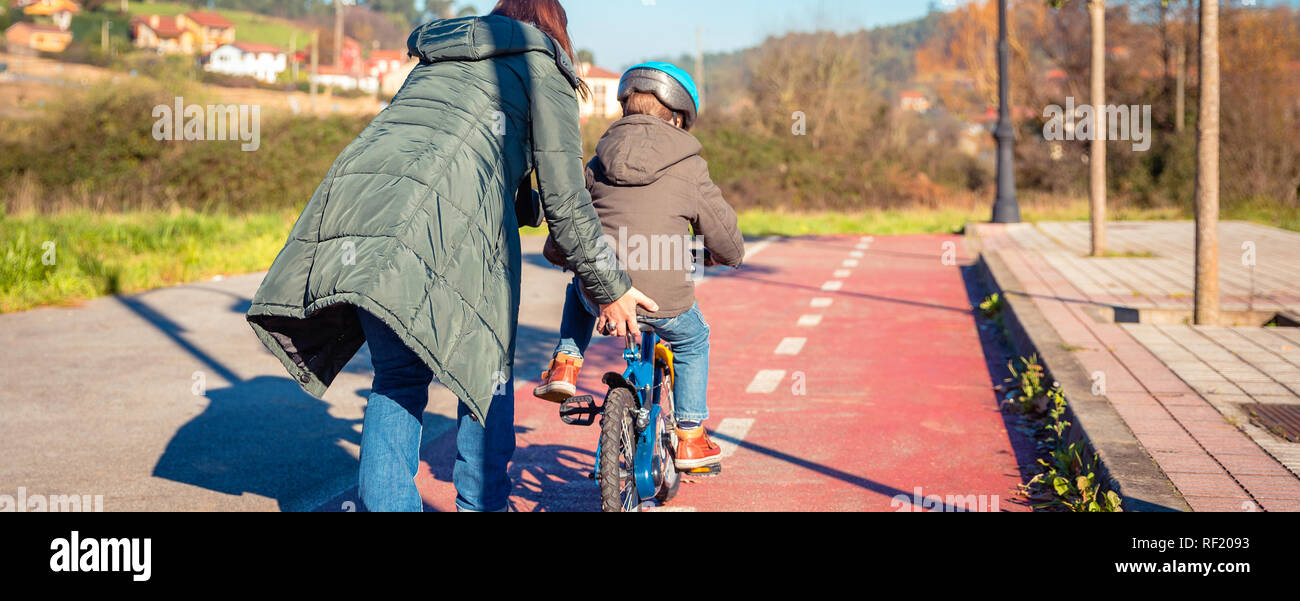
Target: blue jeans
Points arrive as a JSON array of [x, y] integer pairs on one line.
[[391, 432], [687, 334]]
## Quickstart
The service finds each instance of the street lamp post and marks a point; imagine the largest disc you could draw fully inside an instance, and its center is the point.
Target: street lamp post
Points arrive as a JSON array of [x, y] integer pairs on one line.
[[1005, 207]]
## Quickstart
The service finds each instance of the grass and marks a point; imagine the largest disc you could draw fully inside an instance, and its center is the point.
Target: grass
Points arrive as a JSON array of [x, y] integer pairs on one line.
[[760, 222], [249, 27], [101, 254], [97, 254]]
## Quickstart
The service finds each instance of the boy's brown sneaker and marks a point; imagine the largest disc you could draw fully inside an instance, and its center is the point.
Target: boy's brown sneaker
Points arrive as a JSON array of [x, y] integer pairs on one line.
[[560, 381], [695, 449]]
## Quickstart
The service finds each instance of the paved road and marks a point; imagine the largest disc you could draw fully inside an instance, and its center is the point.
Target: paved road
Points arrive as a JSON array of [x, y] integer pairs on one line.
[[827, 396]]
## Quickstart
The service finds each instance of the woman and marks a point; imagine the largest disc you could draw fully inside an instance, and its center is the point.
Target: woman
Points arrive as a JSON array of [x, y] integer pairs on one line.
[[412, 243]]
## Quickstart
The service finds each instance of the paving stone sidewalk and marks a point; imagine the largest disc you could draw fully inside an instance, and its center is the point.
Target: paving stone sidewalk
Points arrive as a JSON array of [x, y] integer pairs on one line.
[[1179, 388]]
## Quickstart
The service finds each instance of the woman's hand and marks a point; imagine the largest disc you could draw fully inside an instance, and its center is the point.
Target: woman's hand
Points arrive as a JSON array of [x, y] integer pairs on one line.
[[620, 315]]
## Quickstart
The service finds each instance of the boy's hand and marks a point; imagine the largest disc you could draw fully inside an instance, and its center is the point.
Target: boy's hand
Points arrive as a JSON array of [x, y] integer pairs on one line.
[[620, 315]]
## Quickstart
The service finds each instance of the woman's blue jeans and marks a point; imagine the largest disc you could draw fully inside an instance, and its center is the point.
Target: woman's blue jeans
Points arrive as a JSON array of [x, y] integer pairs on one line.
[[391, 432], [687, 334]]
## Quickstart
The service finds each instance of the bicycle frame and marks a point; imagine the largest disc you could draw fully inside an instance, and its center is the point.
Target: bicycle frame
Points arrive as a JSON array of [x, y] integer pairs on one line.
[[646, 383]]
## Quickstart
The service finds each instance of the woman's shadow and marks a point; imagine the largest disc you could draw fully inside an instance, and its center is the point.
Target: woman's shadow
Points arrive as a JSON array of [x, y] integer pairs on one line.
[[261, 435]]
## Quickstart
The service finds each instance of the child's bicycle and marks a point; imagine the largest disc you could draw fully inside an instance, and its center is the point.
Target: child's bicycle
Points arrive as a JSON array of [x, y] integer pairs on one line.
[[638, 435]]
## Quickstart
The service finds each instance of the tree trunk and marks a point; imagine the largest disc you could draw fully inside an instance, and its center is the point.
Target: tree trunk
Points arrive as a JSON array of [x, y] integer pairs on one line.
[[338, 34], [1180, 88], [1207, 170], [1097, 161]]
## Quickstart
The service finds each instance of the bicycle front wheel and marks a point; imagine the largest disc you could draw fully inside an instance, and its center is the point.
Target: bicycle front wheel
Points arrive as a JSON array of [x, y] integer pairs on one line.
[[617, 453]]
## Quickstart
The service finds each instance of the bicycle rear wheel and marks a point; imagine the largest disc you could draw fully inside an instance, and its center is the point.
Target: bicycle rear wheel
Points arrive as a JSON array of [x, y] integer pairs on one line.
[[617, 453], [672, 480]]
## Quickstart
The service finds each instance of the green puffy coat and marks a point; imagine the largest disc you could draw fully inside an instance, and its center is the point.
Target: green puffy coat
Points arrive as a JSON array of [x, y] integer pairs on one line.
[[415, 220]]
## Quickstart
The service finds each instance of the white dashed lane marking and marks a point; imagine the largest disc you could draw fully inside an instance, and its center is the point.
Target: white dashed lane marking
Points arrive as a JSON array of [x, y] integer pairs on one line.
[[766, 381], [841, 273], [730, 432], [808, 321], [850, 262], [857, 254], [790, 346], [832, 286], [822, 302]]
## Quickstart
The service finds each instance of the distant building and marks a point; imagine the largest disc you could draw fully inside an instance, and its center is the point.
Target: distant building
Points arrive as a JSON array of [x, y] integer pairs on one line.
[[330, 76], [604, 93], [163, 34], [59, 12], [383, 62], [24, 36], [390, 68], [914, 101], [351, 56], [191, 33], [246, 59], [392, 82], [212, 29]]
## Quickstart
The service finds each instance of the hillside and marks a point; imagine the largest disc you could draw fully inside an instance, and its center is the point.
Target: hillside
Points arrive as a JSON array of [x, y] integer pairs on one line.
[[887, 52], [250, 27]]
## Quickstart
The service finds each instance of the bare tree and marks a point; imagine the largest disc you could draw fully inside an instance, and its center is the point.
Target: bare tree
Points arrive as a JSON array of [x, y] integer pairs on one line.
[[1097, 150], [1207, 170]]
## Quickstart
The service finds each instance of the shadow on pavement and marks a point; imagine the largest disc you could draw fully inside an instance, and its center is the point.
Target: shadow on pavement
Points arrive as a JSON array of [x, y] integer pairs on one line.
[[998, 352], [265, 436]]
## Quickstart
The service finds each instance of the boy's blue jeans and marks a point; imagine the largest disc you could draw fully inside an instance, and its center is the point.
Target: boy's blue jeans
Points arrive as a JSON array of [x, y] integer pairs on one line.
[[391, 432], [688, 334]]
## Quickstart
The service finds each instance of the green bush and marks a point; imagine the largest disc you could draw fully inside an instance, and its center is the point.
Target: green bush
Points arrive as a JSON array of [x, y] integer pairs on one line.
[[98, 151]]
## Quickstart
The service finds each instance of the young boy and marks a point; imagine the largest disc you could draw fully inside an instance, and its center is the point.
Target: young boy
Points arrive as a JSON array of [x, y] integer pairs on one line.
[[651, 189]]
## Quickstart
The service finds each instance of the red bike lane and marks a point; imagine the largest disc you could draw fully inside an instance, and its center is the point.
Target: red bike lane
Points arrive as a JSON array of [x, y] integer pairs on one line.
[[846, 374]]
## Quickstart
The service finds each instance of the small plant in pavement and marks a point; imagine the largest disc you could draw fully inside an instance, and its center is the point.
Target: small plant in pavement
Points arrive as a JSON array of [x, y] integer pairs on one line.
[[1029, 394], [1066, 477], [991, 308]]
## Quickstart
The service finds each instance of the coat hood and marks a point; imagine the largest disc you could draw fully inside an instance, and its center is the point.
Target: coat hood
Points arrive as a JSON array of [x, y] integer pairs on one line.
[[638, 150], [479, 38]]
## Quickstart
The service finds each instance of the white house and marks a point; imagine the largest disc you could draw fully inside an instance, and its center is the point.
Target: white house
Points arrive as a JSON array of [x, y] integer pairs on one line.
[[246, 59], [334, 77], [604, 93]]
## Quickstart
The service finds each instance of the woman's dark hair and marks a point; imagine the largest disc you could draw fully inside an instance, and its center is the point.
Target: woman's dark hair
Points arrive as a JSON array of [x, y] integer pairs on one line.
[[548, 16]]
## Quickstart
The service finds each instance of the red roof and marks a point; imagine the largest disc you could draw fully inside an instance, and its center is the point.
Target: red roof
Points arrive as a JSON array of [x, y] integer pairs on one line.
[[258, 48], [388, 55], [35, 28], [166, 27], [595, 72], [206, 19]]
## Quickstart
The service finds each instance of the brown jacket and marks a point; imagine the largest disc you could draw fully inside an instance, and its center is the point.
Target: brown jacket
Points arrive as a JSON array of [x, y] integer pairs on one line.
[[651, 190]]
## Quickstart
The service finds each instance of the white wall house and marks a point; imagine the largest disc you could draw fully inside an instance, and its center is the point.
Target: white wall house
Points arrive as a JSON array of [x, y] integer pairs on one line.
[[333, 77], [261, 61], [604, 93]]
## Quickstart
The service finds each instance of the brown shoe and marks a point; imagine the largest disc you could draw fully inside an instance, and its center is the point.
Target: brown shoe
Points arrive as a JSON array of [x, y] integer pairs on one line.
[[560, 381], [695, 449]]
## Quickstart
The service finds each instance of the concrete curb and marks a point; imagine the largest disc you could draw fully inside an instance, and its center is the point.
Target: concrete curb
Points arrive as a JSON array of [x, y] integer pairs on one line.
[[1124, 464]]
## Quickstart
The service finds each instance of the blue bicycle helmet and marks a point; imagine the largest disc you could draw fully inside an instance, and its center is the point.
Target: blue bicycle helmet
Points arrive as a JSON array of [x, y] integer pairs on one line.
[[669, 83]]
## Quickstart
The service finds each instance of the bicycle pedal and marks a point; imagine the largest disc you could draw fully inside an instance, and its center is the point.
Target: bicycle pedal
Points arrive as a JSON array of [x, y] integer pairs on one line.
[[708, 470], [579, 410]]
